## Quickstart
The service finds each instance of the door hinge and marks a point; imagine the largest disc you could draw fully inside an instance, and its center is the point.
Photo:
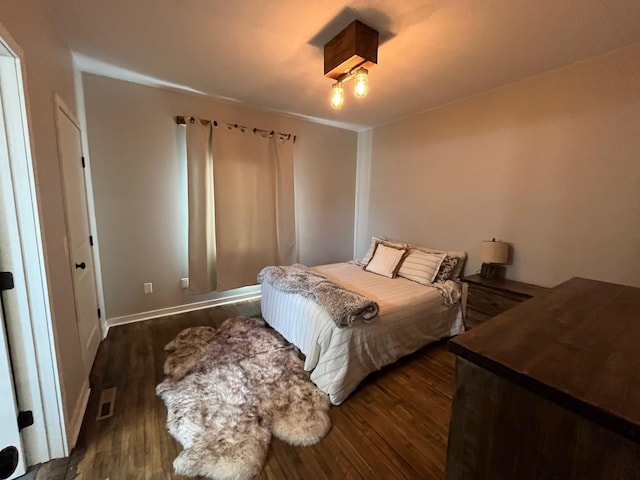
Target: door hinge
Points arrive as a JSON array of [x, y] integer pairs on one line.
[[6, 280], [25, 419], [91, 240], [83, 165], [99, 314]]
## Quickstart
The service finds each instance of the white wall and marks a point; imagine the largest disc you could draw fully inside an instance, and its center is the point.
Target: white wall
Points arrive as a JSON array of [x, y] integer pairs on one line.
[[550, 163], [139, 179], [49, 69]]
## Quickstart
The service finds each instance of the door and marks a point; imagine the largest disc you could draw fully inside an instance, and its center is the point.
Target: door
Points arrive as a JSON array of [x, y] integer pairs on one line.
[[78, 234], [12, 462]]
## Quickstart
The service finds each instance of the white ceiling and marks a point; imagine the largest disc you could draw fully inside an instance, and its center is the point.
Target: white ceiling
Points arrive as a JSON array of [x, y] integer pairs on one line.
[[268, 54]]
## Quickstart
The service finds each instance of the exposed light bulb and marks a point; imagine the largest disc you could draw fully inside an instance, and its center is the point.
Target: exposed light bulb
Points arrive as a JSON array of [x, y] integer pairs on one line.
[[337, 96], [362, 83]]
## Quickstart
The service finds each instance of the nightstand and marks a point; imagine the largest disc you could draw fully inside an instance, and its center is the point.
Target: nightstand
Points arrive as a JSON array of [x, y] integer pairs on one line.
[[490, 297]]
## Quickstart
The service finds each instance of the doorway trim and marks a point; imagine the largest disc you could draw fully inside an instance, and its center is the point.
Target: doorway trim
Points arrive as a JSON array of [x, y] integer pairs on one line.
[[38, 387]]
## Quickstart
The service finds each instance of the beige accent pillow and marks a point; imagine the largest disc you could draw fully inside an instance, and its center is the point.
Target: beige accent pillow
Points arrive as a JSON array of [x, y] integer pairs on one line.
[[372, 247], [462, 257], [421, 267], [385, 260]]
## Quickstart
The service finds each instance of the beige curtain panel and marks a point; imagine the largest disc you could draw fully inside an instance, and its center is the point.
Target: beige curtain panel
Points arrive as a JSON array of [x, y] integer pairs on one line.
[[255, 210], [245, 182], [202, 228]]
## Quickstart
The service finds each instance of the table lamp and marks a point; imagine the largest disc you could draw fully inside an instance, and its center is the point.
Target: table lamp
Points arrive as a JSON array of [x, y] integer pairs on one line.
[[492, 255]]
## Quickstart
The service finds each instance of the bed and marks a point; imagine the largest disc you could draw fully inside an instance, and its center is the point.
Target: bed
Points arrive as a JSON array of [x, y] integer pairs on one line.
[[411, 315]]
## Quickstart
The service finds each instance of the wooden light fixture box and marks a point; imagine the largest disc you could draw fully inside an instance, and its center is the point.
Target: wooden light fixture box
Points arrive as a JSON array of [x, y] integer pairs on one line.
[[356, 45]]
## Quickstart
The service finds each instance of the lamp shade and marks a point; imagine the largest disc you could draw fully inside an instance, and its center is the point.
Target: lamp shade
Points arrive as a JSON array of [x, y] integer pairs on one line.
[[494, 252]]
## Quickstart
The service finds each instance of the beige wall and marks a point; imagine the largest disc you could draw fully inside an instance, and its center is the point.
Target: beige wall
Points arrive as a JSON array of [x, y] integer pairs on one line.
[[139, 180], [550, 164], [49, 69]]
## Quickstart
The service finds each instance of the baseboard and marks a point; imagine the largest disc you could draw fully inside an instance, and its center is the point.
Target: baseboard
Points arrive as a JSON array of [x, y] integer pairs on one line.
[[78, 415], [190, 307]]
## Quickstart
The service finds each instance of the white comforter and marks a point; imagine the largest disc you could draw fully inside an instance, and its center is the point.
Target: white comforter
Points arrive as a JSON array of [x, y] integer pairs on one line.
[[411, 316]]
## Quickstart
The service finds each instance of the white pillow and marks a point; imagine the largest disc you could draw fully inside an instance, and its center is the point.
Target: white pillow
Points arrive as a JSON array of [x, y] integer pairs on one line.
[[462, 257], [385, 260], [420, 266]]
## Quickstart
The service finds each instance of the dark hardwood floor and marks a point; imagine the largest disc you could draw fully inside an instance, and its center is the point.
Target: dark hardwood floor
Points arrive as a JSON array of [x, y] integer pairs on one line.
[[394, 426]]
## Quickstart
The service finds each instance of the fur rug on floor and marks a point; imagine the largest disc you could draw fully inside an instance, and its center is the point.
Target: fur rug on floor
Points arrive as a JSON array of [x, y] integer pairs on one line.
[[228, 390]]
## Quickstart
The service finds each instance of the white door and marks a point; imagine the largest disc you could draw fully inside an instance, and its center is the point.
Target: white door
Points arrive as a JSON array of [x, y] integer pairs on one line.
[[78, 233], [12, 462]]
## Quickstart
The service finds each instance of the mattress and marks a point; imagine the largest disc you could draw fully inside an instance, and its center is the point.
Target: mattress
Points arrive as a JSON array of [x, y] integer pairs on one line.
[[411, 316]]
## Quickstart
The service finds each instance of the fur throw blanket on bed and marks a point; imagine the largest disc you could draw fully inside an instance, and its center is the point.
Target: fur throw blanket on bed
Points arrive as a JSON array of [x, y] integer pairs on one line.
[[343, 305], [228, 390]]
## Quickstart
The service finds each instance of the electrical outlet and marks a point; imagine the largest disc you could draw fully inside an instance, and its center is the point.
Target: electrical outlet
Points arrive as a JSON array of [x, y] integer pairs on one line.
[[184, 282], [148, 288]]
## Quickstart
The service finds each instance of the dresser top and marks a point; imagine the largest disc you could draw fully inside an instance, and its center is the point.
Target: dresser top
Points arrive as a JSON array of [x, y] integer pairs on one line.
[[513, 286], [578, 345]]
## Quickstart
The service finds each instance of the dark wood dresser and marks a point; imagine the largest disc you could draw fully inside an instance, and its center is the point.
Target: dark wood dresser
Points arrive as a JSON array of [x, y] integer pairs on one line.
[[490, 297], [550, 389]]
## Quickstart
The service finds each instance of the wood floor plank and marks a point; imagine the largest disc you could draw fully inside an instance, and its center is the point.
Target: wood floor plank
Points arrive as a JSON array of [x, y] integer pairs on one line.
[[153, 467], [394, 426], [167, 447], [367, 440], [132, 446], [378, 445]]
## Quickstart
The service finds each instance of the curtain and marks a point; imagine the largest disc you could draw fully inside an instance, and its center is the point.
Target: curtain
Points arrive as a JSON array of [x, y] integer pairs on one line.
[[255, 210], [202, 228], [241, 205]]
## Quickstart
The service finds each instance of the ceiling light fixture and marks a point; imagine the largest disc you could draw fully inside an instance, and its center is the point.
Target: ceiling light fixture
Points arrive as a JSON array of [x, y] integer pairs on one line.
[[347, 56]]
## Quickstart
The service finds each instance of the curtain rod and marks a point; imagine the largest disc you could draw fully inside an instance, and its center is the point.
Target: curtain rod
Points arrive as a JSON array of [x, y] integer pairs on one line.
[[182, 120]]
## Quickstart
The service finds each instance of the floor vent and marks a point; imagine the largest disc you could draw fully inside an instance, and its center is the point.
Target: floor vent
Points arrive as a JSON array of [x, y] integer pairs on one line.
[[107, 403]]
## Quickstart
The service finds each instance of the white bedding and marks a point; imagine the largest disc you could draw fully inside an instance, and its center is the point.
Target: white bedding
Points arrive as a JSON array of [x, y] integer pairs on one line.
[[411, 316]]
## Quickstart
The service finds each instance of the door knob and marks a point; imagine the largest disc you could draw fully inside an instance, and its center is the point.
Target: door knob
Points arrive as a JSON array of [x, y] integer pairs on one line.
[[81, 265]]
